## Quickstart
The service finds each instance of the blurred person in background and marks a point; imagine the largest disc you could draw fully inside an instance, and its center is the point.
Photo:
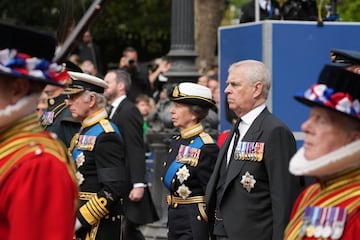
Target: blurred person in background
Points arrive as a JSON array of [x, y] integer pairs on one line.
[[57, 116], [87, 49], [140, 83], [137, 204]]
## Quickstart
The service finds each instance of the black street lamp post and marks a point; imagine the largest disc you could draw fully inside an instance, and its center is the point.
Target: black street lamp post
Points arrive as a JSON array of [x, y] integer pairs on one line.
[[182, 49], [182, 56]]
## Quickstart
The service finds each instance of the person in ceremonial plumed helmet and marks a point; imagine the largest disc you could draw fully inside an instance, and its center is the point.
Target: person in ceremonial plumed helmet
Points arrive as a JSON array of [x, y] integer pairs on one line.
[[192, 156], [329, 208], [37, 181], [99, 155]]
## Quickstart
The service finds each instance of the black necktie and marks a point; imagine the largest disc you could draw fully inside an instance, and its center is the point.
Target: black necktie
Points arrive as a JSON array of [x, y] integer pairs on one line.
[[109, 109], [219, 228]]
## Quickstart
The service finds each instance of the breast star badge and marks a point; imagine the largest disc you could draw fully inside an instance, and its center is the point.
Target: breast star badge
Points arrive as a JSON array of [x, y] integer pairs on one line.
[[183, 191], [183, 174], [80, 159], [80, 178], [248, 181]]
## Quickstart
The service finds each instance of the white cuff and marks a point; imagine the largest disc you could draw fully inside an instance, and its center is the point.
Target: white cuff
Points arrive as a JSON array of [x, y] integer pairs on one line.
[[135, 185]]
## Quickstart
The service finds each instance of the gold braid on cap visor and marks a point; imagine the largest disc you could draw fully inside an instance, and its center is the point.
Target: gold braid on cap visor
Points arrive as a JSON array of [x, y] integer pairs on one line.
[[177, 95]]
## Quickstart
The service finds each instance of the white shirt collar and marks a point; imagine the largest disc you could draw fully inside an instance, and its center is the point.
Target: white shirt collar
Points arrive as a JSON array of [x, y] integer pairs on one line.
[[249, 117], [263, 3], [116, 103]]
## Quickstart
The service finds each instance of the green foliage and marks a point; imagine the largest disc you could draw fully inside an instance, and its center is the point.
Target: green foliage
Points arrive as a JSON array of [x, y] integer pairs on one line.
[[349, 10], [143, 24], [40, 14]]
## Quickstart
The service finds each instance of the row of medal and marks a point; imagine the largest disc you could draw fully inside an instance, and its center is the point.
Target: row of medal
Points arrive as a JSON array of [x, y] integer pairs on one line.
[[86, 142], [323, 222], [47, 118], [249, 151], [188, 155]]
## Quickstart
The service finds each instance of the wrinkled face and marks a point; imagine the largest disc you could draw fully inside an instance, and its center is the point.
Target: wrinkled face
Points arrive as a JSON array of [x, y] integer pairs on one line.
[[79, 105], [110, 93], [324, 133], [240, 93], [181, 116]]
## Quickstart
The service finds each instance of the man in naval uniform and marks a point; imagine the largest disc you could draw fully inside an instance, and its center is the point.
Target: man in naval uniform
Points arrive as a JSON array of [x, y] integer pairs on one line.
[[57, 117], [98, 152]]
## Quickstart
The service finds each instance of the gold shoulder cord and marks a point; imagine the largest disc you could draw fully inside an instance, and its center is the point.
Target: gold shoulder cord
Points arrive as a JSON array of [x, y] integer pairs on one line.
[[206, 138], [105, 124]]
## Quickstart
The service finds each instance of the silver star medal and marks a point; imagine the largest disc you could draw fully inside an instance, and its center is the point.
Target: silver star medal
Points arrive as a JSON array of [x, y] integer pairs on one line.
[[80, 159], [248, 181], [183, 174], [80, 178], [183, 191]]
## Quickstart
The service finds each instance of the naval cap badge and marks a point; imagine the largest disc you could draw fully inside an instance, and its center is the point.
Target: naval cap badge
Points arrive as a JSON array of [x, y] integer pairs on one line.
[[248, 181]]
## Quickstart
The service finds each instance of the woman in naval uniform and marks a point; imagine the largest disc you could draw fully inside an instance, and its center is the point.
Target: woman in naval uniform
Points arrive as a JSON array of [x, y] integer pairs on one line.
[[192, 156]]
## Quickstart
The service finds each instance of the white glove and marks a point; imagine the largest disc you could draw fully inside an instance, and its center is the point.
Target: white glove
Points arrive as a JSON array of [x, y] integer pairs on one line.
[[77, 225]]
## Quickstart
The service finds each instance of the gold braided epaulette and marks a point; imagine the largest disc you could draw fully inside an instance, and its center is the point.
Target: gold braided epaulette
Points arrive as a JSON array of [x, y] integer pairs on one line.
[[206, 138], [105, 124]]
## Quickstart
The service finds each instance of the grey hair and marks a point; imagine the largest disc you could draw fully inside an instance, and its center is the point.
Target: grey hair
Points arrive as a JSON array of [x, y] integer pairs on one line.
[[100, 98], [255, 71]]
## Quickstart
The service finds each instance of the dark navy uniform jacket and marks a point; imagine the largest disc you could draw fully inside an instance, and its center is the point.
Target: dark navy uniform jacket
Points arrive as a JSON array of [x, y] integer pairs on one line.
[[60, 122], [189, 180], [98, 152]]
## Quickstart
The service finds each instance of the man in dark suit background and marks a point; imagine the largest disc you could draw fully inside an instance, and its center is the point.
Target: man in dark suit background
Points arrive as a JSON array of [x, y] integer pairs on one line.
[[138, 207], [267, 10], [251, 192], [280, 10], [140, 83]]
